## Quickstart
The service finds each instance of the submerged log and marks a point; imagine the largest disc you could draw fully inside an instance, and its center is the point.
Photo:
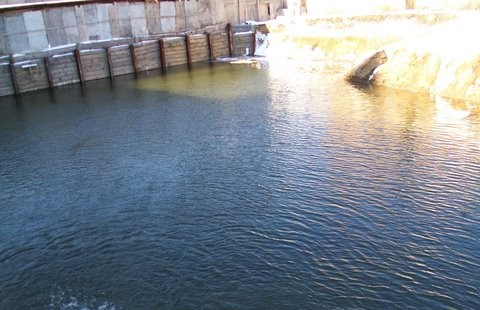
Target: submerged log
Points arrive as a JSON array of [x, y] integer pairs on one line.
[[363, 72]]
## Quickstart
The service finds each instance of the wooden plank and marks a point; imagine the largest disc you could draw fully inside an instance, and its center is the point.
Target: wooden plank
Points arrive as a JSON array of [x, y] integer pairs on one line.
[[134, 59], [13, 75], [79, 65], [110, 63], [254, 43], [49, 71], [210, 47], [230, 40], [187, 48], [163, 62]]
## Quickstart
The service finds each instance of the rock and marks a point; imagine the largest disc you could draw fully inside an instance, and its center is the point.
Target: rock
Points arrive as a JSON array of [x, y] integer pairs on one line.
[[363, 72]]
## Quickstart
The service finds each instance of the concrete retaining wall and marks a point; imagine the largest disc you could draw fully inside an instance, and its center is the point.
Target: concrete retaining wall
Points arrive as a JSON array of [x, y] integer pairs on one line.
[[239, 11], [90, 61], [37, 30], [44, 27]]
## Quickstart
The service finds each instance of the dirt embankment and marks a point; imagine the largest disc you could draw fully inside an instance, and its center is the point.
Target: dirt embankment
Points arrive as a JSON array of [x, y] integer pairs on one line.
[[434, 53]]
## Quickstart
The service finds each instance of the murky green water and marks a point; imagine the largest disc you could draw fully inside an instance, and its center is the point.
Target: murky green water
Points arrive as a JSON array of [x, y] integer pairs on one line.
[[229, 187]]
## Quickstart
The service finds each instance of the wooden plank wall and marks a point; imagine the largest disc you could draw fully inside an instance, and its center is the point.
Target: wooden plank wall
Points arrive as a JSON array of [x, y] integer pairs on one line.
[[95, 64], [6, 86], [63, 68], [148, 55], [44, 71]]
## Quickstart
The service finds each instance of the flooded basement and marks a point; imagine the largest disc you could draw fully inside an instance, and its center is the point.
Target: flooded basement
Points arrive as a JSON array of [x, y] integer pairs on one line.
[[229, 187]]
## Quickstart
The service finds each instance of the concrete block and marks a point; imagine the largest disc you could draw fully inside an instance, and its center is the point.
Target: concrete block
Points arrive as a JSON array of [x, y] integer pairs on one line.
[[4, 46], [54, 26], [104, 30], [114, 21], [92, 30], [180, 16], [206, 19], [34, 21], [167, 9], [168, 24], [72, 35], [37, 40], [90, 14], [137, 10], [69, 18], [103, 14], [53, 18], [125, 28], [139, 27], [192, 22], [152, 10], [18, 43], [215, 10], [123, 10], [56, 36], [14, 24], [82, 28], [191, 8]]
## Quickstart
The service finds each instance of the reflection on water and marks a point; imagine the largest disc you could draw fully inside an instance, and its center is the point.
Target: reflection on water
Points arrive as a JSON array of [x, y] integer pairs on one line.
[[232, 187]]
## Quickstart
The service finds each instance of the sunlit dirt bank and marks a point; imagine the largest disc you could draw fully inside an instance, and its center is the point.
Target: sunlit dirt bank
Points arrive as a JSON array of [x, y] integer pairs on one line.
[[428, 52]]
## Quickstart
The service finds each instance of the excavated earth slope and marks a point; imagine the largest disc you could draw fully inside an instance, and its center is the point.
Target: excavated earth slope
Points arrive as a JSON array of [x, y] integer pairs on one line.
[[435, 53]]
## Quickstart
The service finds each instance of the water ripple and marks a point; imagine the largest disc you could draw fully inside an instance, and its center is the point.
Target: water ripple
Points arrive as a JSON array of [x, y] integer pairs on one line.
[[303, 193]]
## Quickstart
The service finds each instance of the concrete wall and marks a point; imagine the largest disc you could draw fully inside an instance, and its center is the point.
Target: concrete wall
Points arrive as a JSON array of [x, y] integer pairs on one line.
[[37, 30], [239, 11]]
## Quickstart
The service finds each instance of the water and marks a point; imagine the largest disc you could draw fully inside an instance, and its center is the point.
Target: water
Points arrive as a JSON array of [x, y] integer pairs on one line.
[[229, 187]]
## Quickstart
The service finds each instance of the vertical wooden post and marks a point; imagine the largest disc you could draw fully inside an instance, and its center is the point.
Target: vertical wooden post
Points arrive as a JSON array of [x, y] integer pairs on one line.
[[134, 59], [230, 40], [163, 62], [48, 68], [210, 47], [410, 4], [110, 63], [187, 47], [79, 64], [254, 43], [13, 75]]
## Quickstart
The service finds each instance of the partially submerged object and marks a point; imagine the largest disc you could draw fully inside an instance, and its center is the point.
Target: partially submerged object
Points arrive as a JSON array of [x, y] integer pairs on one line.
[[363, 73]]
